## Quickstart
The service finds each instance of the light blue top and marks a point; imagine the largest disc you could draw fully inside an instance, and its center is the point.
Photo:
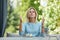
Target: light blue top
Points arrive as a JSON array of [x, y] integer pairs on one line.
[[32, 28]]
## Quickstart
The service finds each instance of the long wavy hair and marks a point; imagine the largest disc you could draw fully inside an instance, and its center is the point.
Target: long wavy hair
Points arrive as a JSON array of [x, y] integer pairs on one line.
[[34, 10]]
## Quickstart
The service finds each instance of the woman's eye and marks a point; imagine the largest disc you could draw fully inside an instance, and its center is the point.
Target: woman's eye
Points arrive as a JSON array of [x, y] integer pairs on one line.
[[29, 11], [32, 11]]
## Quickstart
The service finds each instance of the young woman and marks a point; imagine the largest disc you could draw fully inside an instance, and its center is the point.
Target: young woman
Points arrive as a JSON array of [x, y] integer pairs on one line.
[[31, 27]]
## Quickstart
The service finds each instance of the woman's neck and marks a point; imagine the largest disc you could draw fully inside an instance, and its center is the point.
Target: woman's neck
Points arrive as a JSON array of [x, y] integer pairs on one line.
[[33, 20]]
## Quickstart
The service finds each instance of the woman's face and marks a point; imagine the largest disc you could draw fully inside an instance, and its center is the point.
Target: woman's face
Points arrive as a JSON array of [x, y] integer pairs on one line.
[[31, 13]]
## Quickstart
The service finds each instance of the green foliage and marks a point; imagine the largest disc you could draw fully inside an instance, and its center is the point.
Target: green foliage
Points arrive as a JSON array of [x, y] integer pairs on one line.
[[51, 12]]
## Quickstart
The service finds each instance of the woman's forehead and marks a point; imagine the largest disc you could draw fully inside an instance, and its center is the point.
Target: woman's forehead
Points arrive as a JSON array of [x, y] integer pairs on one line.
[[32, 10]]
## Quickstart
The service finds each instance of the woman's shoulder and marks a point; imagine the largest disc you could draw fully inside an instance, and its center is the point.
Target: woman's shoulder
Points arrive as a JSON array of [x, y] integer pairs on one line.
[[38, 22], [25, 23]]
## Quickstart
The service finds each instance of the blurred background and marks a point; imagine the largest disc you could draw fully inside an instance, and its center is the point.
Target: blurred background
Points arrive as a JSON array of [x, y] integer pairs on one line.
[[17, 8]]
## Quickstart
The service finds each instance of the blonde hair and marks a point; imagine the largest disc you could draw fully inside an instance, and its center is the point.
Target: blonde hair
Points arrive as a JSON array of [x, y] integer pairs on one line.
[[30, 9]]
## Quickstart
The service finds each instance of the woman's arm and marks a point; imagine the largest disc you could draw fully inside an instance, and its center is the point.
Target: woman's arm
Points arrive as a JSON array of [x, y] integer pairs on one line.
[[20, 26], [43, 25]]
